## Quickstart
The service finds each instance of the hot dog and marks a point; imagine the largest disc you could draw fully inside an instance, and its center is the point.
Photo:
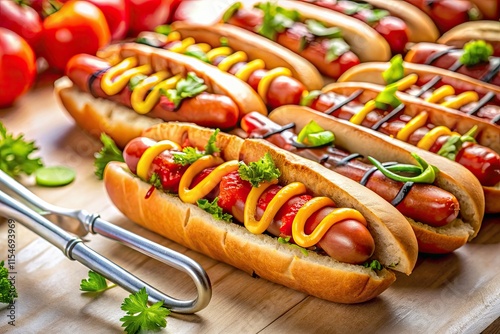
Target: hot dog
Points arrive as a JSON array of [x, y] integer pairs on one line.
[[421, 124], [331, 41], [488, 31], [439, 222], [319, 274], [447, 14], [182, 89], [477, 102], [474, 60], [278, 75], [398, 22]]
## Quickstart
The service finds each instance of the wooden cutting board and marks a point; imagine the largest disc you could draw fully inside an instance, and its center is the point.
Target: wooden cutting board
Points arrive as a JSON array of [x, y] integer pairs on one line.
[[456, 293]]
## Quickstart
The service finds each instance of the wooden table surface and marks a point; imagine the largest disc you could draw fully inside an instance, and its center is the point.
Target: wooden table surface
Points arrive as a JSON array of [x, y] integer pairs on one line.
[[456, 293]]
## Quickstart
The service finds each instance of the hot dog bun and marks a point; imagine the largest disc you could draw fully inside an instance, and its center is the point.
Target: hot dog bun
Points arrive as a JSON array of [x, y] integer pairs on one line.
[[488, 134], [488, 31], [420, 27], [363, 40], [273, 54], [452, 176], [260, 254], [122, 123]]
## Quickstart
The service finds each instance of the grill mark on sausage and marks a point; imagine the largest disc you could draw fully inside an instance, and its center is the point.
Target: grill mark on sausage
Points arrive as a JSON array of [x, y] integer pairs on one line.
[[481, 103], [389, 116], [400, 196], [350, 98], [93, 77]]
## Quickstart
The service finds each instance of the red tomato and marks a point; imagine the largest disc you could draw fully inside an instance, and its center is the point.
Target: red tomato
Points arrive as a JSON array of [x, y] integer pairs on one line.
[[146, 15], [86, 32], [117, 16], [21, 19], [17, 67]]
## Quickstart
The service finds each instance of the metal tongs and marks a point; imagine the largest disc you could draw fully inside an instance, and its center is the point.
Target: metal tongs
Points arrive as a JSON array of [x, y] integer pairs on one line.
[[75, 249]]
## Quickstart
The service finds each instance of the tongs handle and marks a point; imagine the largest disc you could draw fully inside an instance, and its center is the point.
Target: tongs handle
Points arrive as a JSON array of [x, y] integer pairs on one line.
[[75, 249]]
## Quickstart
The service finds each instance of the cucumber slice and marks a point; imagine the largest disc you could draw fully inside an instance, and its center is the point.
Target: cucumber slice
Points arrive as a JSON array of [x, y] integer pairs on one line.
[[54, 176]]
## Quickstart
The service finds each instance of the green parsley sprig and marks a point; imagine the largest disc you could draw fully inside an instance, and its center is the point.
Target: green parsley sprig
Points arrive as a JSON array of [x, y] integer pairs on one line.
[[141, 317], [8, 291], [109, 152], [373, 265], [259, 171], [190, 154], [476, 52], [15, 154], [95, 283], [214, 209], [190, 86]]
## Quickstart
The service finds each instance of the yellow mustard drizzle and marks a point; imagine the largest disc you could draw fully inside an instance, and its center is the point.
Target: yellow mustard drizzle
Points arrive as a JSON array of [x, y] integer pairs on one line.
[[246, 70], [406, 82], [141, 101], [358, 117], [118, 76], [416, 122], [182, 45], [337, 215], [150, 154], [220, 51], [440, 94], [461, 100], [232, 59], [207, 184], [282, 196]]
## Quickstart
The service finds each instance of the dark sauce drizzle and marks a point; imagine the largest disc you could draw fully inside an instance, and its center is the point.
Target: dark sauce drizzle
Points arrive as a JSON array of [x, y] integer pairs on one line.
[[493, 71], [387, 117], [93, 77], [351, 97], [400, 196]]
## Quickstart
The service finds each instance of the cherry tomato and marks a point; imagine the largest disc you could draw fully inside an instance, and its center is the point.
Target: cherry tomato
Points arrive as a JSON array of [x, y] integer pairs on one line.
[[86, 32], [17, 67], [117, 16], [146, 15], [483, 162], [21, 19], [134, 150], [447, 14], [394, 31]]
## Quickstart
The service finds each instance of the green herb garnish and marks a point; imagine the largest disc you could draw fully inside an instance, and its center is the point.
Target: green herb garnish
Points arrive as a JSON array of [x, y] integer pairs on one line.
[[373, 265], [259, 171], [276, 19], [214, 209], [190, 86], [476, 52], [109, 152], [135, 80], [395, 71], [335, 48], [387, 97], [95, 283], [199, 54], [229, 13], [286, 241], [8, 290], [307, 99], [425, 173], [314, 135], [163, 29], [15, 154], [190, 154], [454, 143], [140, 317], [320, 30]]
